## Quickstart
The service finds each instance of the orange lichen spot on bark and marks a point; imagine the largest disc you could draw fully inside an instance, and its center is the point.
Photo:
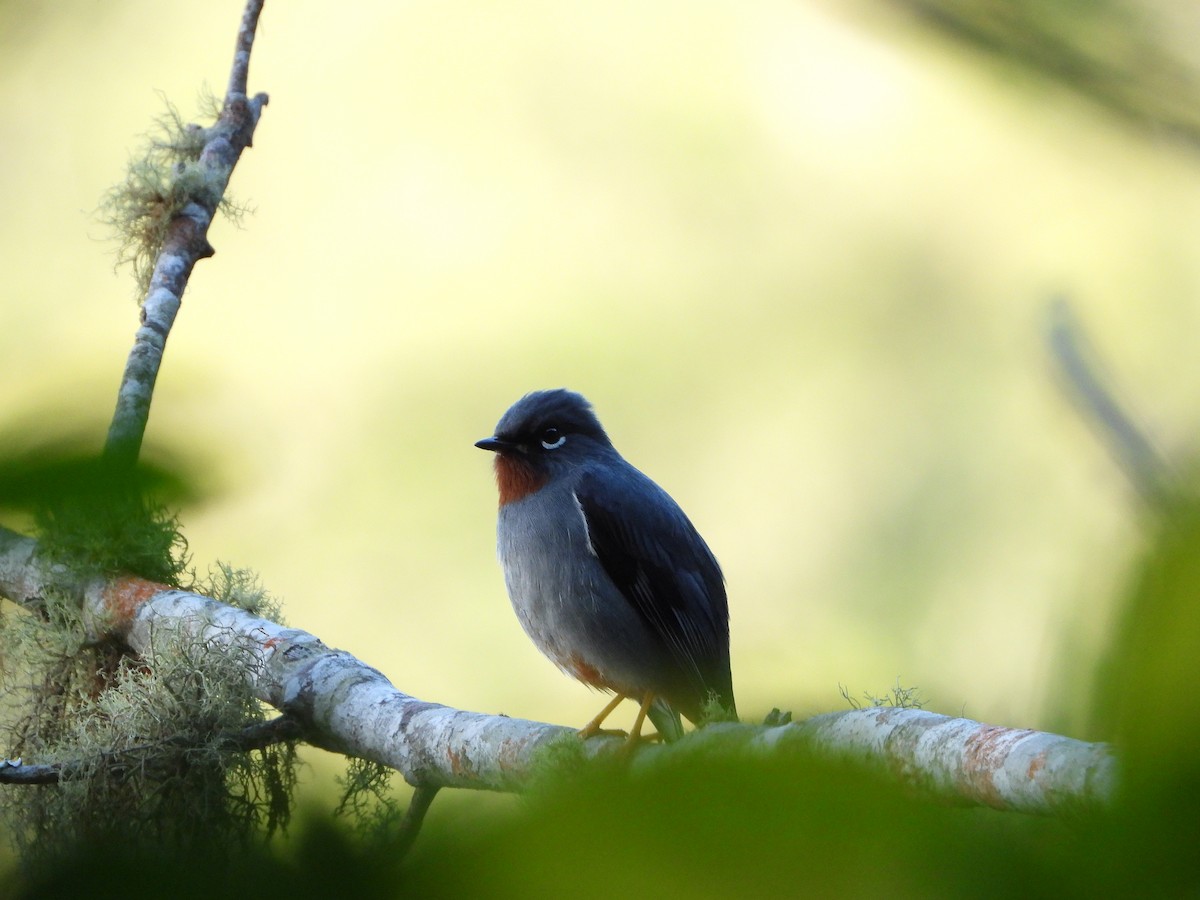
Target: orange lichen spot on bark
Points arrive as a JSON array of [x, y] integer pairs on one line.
[[511, 758], [1035, 766], [125, 595], [460, 763], [985, 754]]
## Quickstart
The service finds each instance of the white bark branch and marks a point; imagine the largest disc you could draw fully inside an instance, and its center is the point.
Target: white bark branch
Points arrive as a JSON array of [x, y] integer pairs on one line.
[[346, 705], [953, 758]]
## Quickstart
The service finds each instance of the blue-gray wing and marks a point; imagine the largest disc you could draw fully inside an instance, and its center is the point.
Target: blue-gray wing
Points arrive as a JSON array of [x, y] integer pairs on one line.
[[663, 568]]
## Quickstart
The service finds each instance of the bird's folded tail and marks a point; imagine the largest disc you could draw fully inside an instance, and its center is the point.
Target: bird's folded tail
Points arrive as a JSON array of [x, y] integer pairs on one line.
[[665, 719]]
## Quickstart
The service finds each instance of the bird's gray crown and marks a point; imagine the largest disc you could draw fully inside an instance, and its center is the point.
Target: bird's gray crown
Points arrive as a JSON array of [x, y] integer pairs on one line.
[[534, 414]]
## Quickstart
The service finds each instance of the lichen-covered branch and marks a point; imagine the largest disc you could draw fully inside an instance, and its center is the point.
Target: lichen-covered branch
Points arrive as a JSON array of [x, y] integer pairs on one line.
[[24, 575], [118, 762], [193, 190], [347, 706], [343, 704]]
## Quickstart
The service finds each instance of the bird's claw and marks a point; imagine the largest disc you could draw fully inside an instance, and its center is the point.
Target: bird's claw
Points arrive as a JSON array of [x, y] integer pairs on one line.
[[587, 732]]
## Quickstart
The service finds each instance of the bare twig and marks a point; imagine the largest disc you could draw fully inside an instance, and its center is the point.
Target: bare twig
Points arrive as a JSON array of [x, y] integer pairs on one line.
[[410, 826], [185, 242], [239, 73]]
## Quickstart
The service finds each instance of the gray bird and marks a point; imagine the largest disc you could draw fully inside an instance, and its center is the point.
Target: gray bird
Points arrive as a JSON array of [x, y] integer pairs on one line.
[[607, 575]]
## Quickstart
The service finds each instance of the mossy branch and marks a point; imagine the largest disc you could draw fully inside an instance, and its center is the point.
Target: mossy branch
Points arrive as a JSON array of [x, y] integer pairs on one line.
[[162, 214], [160, 181], [169, 746], [350, 708], [148, 757]]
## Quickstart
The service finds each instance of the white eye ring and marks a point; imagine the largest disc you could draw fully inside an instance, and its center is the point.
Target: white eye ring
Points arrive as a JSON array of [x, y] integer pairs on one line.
[[554, 445]]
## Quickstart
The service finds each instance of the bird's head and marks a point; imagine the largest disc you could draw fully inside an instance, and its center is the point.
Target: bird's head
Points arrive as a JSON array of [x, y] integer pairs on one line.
[[543, 434]]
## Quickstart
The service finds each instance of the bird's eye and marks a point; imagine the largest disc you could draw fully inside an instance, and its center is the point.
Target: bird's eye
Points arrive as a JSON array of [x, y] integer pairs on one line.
[[552, 438]]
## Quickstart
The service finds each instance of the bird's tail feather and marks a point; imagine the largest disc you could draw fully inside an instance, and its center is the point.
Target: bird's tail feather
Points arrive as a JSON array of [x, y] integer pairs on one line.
[[665, 719]]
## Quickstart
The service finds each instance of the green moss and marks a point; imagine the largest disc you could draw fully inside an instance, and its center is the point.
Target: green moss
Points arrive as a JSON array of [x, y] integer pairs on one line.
[[713, 710], [146, 742], [160, 180], [242, 588], [560, 755], [100, 517], [109, 534], [368, 803]]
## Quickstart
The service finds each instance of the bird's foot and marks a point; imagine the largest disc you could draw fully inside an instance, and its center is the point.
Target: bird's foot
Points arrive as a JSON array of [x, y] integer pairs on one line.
[[633, 737], [588, 731], [593, 727]]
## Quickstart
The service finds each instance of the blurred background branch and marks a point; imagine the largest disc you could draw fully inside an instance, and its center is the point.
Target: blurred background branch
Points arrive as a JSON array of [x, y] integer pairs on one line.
[[1136, 58], [1082, 374]]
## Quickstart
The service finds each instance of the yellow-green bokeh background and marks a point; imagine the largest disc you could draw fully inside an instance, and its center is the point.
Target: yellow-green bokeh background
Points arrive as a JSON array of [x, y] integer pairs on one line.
[[798, 254]]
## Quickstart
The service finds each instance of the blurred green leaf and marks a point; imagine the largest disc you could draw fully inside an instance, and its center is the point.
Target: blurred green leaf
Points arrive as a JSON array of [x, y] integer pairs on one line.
[[47, 471], [1146, 700], [95, 515], [700, 828]]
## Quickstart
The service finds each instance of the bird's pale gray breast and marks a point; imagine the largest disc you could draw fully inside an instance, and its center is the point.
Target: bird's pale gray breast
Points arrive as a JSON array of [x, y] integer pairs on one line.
[[561, 594]]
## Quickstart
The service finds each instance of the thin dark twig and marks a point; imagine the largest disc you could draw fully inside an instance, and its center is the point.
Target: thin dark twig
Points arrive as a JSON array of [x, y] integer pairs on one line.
[[410, 826], [1134, 452], [258, 736]]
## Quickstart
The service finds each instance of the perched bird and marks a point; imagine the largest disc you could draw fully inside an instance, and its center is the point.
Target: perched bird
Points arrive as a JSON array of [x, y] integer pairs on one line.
[[606, 573]]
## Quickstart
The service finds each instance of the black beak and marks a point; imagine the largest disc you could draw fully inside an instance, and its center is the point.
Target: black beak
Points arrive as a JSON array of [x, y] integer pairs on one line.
[[495, 444]]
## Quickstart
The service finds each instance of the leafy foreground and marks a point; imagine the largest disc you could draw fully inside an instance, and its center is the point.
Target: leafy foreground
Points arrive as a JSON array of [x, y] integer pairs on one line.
[[707, 826], [698, 828]]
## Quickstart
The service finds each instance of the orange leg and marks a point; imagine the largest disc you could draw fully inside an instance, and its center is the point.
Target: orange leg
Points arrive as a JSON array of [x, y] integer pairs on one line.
[[593, 727], [635, 733]]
